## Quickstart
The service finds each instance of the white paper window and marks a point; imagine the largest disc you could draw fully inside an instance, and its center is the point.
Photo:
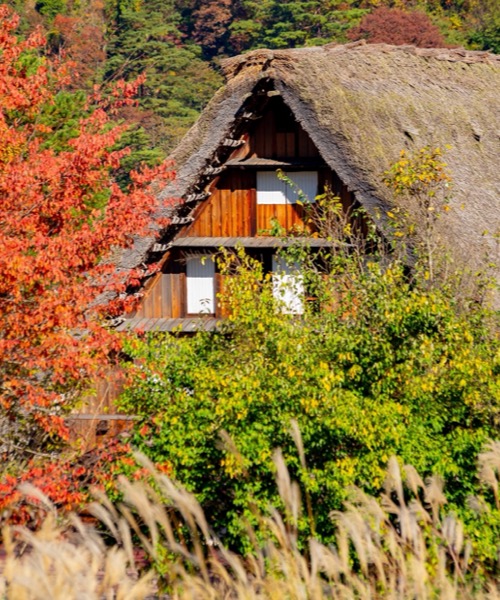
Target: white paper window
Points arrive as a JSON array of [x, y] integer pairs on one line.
[[288, 286], [200, 285], [272, 190]]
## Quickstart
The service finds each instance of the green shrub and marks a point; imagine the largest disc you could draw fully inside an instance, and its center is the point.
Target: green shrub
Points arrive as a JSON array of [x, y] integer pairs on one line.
[[385, 368], [381, 362]]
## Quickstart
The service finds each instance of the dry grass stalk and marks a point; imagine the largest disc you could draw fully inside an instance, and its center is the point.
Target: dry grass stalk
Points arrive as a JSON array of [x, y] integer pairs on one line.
[[399, 548], [57, 564]]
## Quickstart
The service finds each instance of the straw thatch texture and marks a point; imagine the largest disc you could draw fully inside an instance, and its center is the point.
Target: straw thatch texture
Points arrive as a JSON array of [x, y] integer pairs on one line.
[[361, 105]]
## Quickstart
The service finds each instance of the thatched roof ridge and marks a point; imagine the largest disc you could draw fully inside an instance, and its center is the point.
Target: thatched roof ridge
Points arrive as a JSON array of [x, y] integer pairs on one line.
[[262, 58], [361, 105]]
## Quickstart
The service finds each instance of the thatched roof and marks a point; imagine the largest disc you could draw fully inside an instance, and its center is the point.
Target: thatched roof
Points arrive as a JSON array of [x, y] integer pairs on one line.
[[361, 105]]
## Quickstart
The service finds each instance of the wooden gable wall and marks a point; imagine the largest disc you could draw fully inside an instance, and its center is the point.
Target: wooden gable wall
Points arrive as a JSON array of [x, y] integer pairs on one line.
[[231, 211], [278, 135]]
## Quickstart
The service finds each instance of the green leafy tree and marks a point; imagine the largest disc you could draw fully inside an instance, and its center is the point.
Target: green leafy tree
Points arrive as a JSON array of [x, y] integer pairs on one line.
[[387, 369], [292, 23], [50, 8], [484, 19]]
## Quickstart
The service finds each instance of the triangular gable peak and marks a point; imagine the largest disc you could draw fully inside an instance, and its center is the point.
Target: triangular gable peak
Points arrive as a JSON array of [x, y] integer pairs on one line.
[[238, 206], [262, 127]]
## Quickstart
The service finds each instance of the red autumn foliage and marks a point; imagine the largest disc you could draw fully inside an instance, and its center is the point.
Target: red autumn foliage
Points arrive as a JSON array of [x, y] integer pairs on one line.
[[58, 482], [81, 42], [68, 484], [211, 21], [60, 217], [398, 27]]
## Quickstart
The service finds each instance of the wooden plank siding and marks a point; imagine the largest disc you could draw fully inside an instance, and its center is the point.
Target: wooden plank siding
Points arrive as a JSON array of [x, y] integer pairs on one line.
[[289, 216], [229, 212], [232, 210], [279, 135], [96, 420], [165, 296]]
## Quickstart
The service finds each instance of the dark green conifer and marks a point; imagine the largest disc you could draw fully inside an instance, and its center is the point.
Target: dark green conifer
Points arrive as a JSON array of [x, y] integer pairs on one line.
[[145, 39]]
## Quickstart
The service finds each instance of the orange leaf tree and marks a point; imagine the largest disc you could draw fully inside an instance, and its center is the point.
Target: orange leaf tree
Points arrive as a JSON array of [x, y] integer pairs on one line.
[[60, 216]]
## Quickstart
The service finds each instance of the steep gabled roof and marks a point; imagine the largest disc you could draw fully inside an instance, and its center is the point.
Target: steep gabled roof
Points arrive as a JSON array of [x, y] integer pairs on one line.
[[361, 105]]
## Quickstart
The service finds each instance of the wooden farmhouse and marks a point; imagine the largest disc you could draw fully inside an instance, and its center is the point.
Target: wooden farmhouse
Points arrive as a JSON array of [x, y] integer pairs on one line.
[[335, 116]]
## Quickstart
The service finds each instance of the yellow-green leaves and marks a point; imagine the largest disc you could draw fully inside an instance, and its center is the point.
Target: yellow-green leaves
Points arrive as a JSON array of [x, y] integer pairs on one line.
[[421, 187], [383, 368], [422, 172]]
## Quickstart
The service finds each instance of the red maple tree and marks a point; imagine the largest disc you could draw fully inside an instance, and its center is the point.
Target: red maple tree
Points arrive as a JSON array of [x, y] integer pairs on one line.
[[60, 217], [398, 27]]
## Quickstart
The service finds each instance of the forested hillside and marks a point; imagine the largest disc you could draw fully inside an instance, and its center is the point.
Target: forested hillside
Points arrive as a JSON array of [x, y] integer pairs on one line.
[[178, 44]]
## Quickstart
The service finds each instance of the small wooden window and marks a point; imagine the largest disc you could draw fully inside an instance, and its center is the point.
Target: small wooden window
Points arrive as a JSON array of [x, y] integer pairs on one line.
[[200, 285], [272, 190]]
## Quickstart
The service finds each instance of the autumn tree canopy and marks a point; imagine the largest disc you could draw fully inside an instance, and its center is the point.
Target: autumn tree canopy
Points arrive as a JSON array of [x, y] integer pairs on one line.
[[60, 216], [394, 26]]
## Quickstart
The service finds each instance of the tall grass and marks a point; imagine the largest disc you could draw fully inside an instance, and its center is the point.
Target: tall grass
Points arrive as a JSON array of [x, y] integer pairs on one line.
[[400, 546]]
